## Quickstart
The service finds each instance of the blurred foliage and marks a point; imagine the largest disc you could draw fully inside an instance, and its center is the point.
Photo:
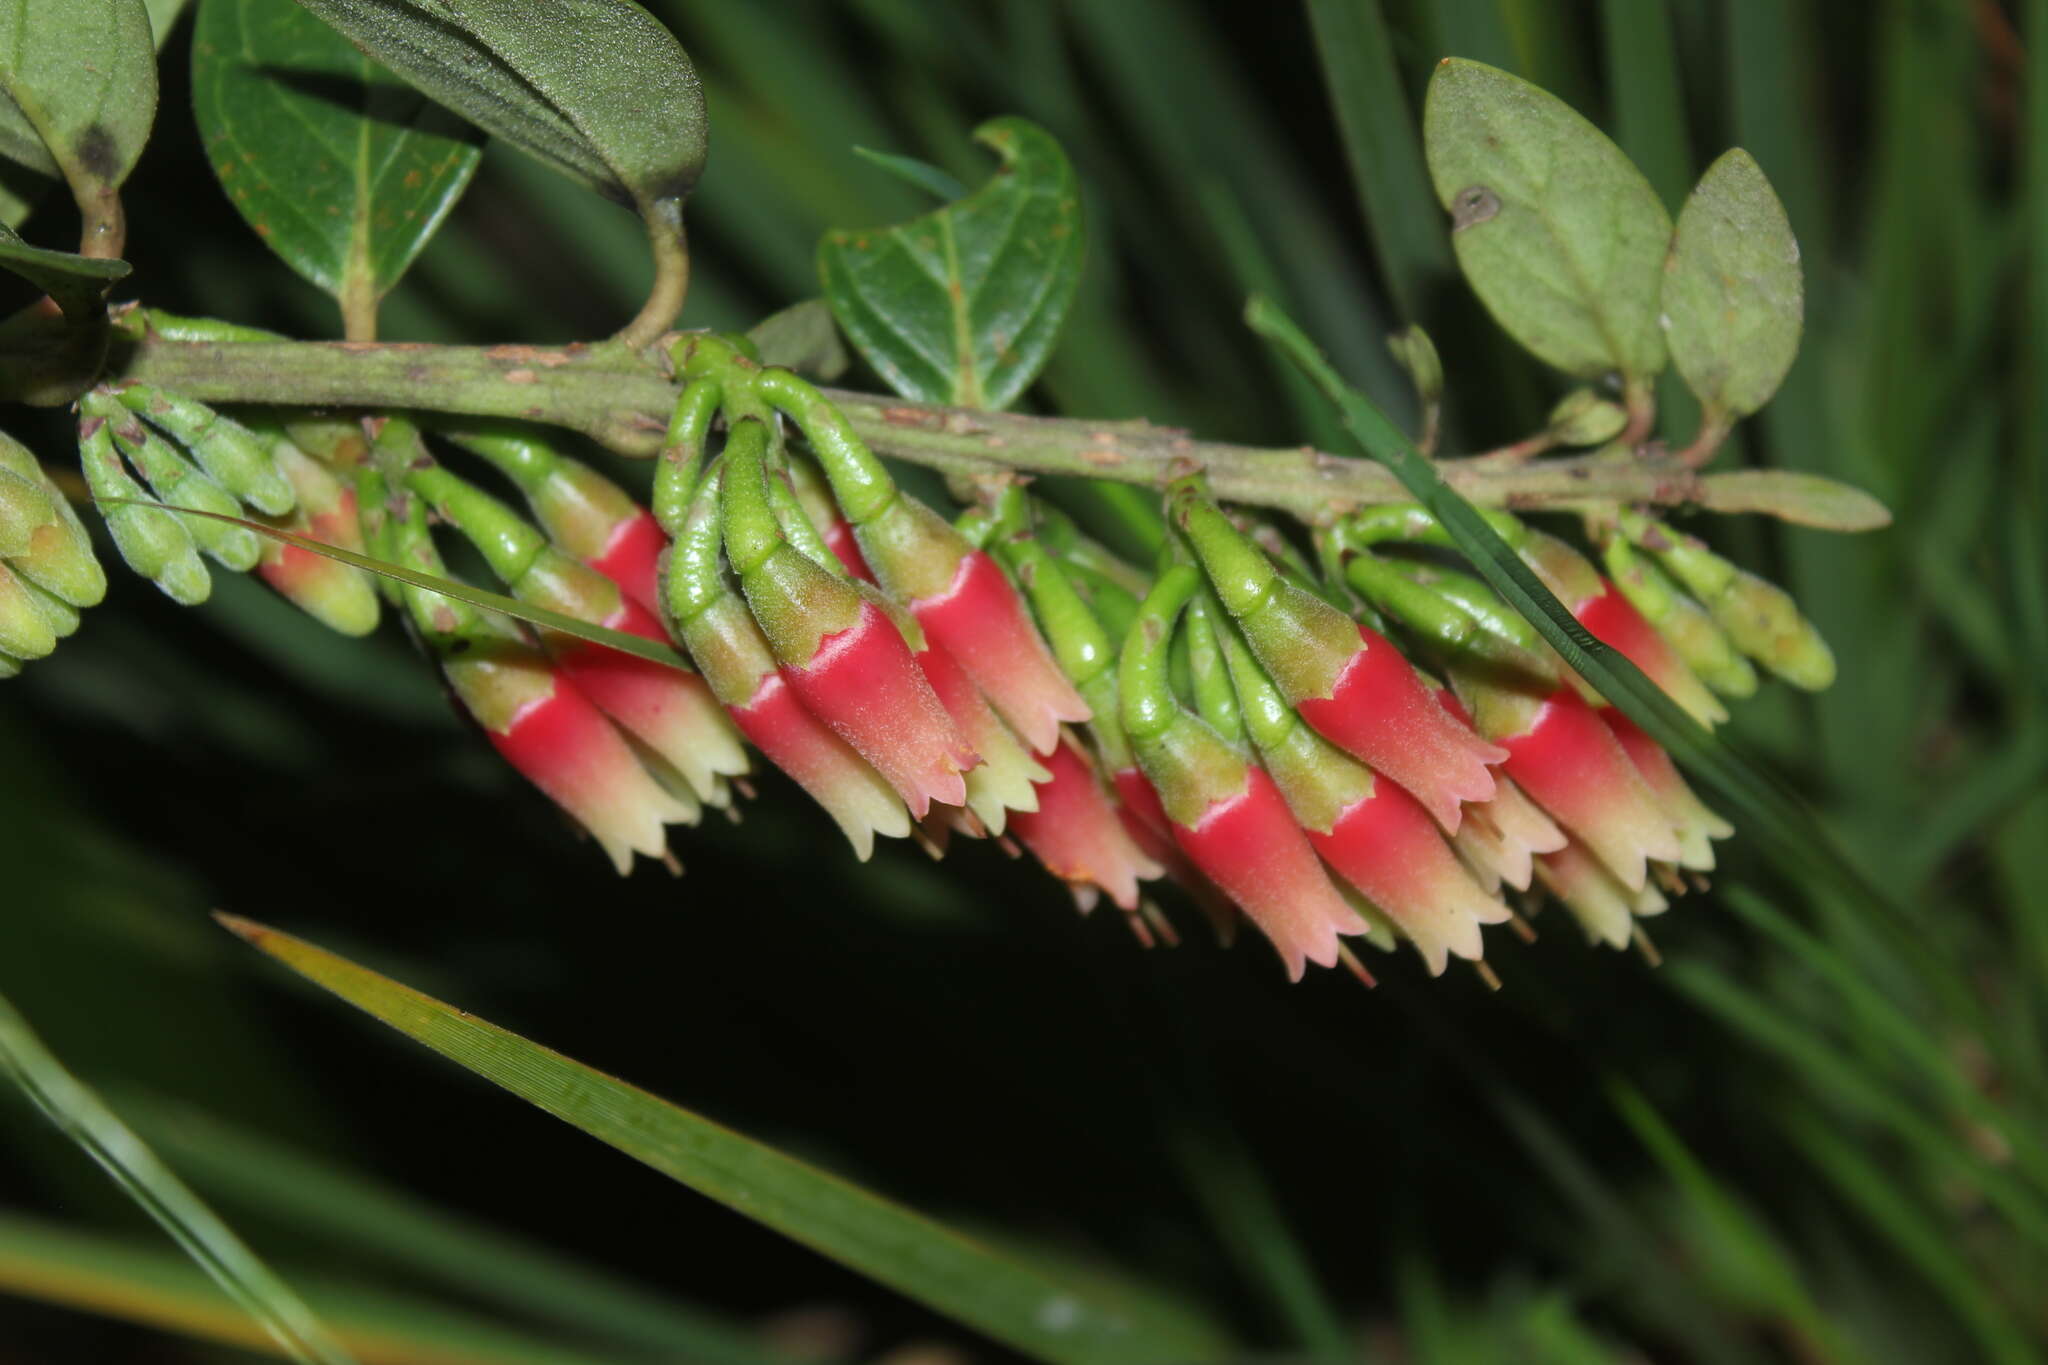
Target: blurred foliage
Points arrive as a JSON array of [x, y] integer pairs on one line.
[[1816, 1135]]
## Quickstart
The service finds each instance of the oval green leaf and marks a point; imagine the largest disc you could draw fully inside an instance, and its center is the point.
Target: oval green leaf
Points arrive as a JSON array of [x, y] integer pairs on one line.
[[598, 89], [963, 305], [342, 170], [1734, 295], [1072, 1322], [78, 94], [1556, 230]]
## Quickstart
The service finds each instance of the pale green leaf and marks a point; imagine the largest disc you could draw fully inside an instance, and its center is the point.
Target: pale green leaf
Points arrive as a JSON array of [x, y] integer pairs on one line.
[[1556, 230], [77, 91], [1734, 297]]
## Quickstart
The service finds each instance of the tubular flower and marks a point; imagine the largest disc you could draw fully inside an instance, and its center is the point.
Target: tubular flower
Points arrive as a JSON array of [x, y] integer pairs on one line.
[[957, 593], [1609, 615], [1075, 831], [1563, 754], [1345, 679], [1377, 836], [1225, 813], [714, 625], [338, 595], [669, 710], [545, 728], [1604, 908], [1007, 778], [1696, 824], [840, 652], [1500, 838]]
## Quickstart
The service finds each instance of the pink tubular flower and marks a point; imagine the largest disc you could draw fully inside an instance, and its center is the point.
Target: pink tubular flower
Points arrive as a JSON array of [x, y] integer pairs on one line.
[[1697, 826], [1615, 620], [336, 594], [1570, 762], [1380, 712], [863, 682], [1075, 831], [631, 558], [1386, 845], [1006, 778], [824, 765], [980, 621], [839, 539], [1500, 837], [561, 743]]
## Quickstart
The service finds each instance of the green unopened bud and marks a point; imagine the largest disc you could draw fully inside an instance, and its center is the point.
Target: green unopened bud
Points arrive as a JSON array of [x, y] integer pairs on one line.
[[25, 632], [63, 618], [59, 554], [1759, 616], [229, 452], [1208, 674], [24, 509], [1684, 623], [175, 481], [152, 542], [1584, 418]]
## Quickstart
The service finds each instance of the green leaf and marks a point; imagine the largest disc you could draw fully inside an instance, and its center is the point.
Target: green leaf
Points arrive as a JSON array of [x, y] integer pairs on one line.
[[79, 284], [1015, 1304], [78, 94], [598, 89], [623, 641], [86, 1120], [1556, 230], [963, 305], [1734, 298], [802, 337], [343, 171], [1802, 499]]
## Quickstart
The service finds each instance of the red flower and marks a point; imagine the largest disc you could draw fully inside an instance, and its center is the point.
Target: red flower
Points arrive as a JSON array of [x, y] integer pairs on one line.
[[1076, 832]]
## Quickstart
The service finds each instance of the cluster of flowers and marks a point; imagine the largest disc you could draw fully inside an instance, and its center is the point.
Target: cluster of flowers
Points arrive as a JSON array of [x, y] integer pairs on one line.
[[47, 568], [1238, 720]]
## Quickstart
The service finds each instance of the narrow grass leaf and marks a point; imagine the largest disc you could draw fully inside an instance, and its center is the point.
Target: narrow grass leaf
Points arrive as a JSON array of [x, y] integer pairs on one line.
[[81, 1116], [1010, 1302], [1648, 93], [931, 179]]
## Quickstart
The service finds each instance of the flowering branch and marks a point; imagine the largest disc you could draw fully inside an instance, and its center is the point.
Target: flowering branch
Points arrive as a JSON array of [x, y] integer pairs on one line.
[[622, 398]]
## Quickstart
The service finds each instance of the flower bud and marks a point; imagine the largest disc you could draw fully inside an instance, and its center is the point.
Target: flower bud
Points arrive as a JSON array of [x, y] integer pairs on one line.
[[176, 483], [59, 554], [1225, 813], [25, 508], [1076, 833], [152, 542], [25, 631], [845, 659], [1760, 617], [956, 592], [339, 596], [1346, 680], [1684, 623], [230, 453], [1584, 418], [714, 625]]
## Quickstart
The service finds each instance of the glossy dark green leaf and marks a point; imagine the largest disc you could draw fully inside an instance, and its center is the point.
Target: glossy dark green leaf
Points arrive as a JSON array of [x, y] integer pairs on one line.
[[79, 284], [963, 304], [598, 89], [1734, 296], [1557, 231], [78, 95], [342, 170], [1046, 1319]]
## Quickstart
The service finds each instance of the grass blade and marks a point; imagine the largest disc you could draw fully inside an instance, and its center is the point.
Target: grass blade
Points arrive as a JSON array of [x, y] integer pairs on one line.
[[1063, 1323], [343, 1208], [1649, 100], [86, 1120]]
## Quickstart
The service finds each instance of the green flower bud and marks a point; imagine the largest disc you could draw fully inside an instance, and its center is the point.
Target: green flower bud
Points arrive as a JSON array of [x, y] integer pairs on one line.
[[230, 453], [1759, 616], [174, 480], [152, 542], [59, 554], [25, 632], [63, 618], [1416, 353], [24, 509], [1683, 623], [1584, 418]]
